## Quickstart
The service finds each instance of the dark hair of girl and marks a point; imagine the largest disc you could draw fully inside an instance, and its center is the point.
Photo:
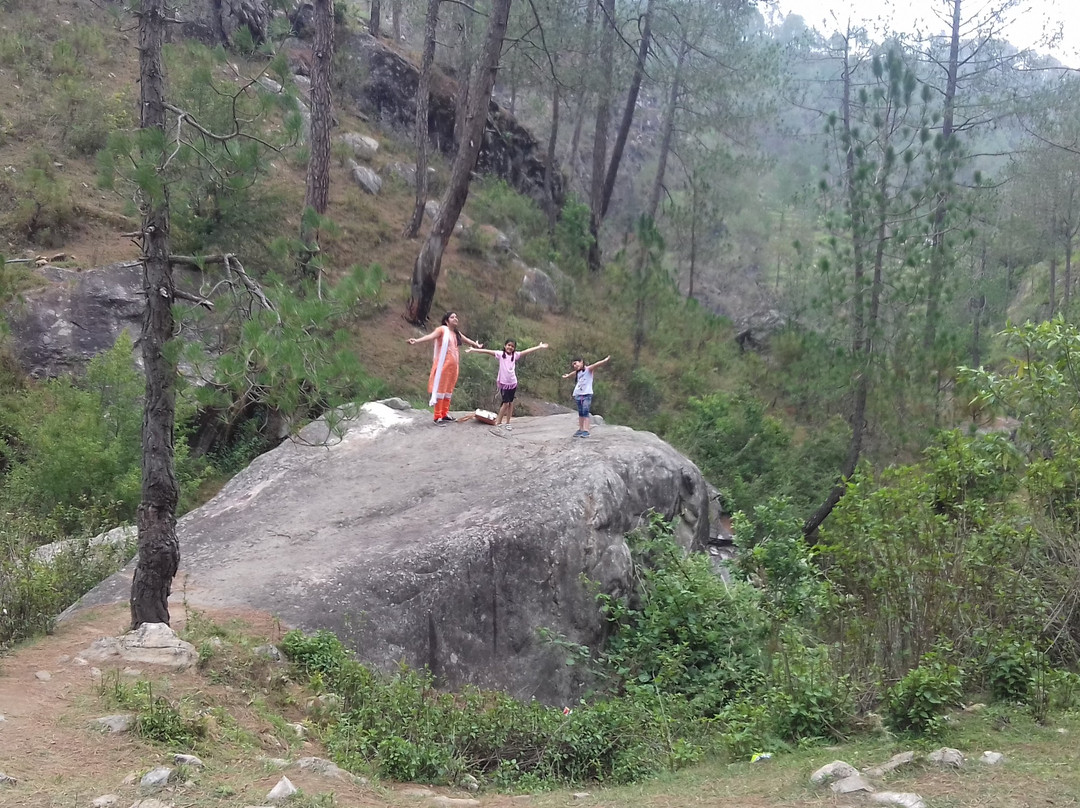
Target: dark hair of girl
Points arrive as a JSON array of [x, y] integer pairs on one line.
[[445, 319]]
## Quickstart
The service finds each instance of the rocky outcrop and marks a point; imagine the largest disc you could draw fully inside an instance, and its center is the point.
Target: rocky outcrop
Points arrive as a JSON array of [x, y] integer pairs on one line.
[[215, 22], [59, 327], [383, 84], [450, 547]]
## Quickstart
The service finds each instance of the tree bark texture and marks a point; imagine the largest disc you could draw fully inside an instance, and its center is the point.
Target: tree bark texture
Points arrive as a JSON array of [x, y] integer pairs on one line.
[[420, 128], [317, 192], [465, 69], [159, 549], [376, 17], [429, 261]]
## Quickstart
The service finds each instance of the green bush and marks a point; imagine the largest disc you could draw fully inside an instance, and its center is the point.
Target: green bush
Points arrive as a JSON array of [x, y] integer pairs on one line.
[[686, 634], [919, 700]]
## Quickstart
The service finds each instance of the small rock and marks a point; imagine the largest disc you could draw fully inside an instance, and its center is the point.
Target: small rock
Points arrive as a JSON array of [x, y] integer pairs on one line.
[[905, 799], [1062, 731], [453, 802], [977, 707], [396, 403], [150, 802], [327, 768], [131, 779], [892, 764], [133, 673], [366, 178], [63, 659], [43, 676], [837, 770], [187, 760], [849, 785], [79, 662], [122, 722], [581, 795], [275, 763], [282, 791], [5, 780], [945, 756], [157, 778], [105, 800], [417, 792], [299, 730], [95, 673], [270, 652], [470, 783], [992, 758]]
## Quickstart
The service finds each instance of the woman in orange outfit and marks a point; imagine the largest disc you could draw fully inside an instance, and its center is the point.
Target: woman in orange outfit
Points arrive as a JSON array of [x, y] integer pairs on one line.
[[444, 365]]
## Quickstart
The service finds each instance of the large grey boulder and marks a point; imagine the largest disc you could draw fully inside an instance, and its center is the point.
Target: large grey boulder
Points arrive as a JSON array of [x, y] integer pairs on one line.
[[449, 546], [59, 327]]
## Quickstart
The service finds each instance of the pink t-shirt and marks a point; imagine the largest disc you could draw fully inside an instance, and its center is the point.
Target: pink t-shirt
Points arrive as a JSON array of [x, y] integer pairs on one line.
[[507, 377]]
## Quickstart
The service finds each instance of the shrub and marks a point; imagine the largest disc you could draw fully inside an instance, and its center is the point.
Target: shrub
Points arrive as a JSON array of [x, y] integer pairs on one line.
[[686, 634], [919, 700]]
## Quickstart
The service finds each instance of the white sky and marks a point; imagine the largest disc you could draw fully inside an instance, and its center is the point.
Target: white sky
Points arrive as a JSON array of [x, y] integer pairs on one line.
[[1032, 21]]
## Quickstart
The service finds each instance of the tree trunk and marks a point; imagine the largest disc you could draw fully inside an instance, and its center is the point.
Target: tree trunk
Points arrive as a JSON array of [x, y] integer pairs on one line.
[[395, 19], [627, 121], [317, 191], [421, 126], [938, 248], [668, 129], [549, 168], [429, 261], [159, 550], [1053, 286], [600, 133], [861, 341], [376, 15], [465, 70], [582, 94]]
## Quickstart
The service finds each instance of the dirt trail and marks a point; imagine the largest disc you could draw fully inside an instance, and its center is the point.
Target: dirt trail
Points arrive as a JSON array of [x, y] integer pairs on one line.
[[47, 745]]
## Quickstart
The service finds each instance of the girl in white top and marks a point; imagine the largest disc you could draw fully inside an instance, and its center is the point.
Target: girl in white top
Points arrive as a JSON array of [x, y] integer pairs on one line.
[[583, 391]]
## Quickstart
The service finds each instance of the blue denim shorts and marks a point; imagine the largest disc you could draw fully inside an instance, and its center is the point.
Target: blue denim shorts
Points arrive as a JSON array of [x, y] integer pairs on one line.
[[583, 404]]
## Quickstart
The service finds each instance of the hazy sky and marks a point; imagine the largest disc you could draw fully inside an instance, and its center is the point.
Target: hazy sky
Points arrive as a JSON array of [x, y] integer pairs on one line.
[[1030, 22]]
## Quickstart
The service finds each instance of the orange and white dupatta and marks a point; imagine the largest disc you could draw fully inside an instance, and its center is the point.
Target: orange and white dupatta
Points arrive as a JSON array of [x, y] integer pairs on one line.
[[444, 366]]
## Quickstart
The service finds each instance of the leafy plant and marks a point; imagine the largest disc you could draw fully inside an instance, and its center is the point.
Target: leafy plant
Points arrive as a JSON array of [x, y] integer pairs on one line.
[[919, 700]]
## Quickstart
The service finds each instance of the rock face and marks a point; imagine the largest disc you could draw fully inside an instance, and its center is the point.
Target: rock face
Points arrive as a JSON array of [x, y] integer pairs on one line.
[[384, 85], [215, 22], [58, 328], [441, 546]]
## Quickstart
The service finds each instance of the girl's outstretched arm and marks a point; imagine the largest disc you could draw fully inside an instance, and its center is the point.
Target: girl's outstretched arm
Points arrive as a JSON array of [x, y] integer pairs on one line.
[[539, 347], [487, 351], [598, 364], [426, 337], [472, 342]]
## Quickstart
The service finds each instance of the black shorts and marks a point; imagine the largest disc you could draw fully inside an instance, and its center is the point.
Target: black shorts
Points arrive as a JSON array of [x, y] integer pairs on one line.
[[508, 394]]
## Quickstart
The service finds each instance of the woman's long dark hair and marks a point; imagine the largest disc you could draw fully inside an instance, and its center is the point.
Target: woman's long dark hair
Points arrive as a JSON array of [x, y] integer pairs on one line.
[[445, 318]]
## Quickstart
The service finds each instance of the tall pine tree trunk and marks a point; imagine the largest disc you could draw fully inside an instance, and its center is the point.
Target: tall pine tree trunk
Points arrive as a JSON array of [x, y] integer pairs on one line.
[[553, 139], [938, 255], [627, 120], [668, 129], [420, 127], [428, 263], [376, 17], [159, 549], [317, 189], [600, 132]]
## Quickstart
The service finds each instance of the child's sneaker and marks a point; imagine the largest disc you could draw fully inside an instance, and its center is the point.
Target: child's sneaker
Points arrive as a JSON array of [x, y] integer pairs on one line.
[[578, 434], [583, 434]]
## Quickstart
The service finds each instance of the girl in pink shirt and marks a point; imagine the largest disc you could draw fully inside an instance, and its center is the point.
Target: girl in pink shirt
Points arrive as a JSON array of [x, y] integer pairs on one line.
[[507, 381]]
